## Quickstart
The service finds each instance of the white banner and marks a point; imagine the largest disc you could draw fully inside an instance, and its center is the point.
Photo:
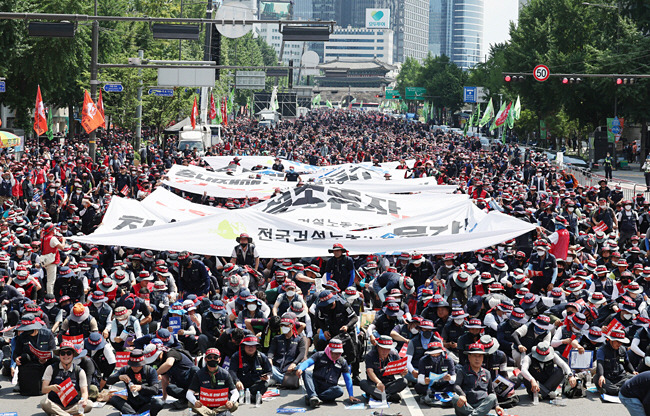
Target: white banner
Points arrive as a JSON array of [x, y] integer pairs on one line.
[[444, 231], [171, 207], [249, 162], [127, 214]]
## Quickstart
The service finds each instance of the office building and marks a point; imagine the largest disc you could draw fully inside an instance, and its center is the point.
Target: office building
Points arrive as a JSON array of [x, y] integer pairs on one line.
[[456, 30], [358, 44]]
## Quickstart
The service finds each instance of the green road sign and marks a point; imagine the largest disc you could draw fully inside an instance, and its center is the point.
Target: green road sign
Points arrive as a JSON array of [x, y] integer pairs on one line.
[[393, 95], [415, 93]]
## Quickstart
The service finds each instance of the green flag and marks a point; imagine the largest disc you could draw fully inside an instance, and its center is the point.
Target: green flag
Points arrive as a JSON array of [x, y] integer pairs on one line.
[[361, 104], [465, 128], [50, 132], [516, 111], [328, 104], [316, 100], [501, 110], [231, 99], [510, 121], [503, 136], [489, 113], [476, 116]]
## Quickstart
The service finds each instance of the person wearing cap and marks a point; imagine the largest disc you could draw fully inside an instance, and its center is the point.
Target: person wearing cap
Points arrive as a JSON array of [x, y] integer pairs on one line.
[[497, 316], [51, 258], [339, 267], [386, 321], [459, 286], [250, 368], [453, 329], [56, 374], [102, 355], [141, 382], [604, 214], [335, 318], [192, 276], [287, 350], [321, 384], [530, 334], [68, 285], [543, 370], [542, 268], [613, 367], [435, 361], [213, 323], [474, 393], [628, 223], [376, 383], [124, 328], [245, 253], [474, 329], [100, 310], [51, 309], [420, 270], [206, 380], [31, 333], [79, 322], [284, 300], [570, 334]]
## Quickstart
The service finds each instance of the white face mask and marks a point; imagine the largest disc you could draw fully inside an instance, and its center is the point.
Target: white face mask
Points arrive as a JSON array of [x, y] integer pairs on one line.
[[539, 175], [49, 305], [285, 329], [414, 331], [98, 304], [627, 316], [459, 321], [216, 314], [291, 293], [647, 361], [449, 266], [569, 259], [570, 209], [20, 252], [628, 207], [251, 307], [78, 191], [603, 205], [540, 252]]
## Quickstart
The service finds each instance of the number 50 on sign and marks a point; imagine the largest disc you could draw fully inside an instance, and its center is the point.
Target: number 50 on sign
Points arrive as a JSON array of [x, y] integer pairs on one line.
[[541, 73]]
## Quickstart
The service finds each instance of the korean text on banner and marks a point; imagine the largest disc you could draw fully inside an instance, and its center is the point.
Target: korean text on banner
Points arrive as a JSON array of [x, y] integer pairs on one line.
[[615, 324], [175, 324], [67, 392], [77, 340], [213, 397], [395, 367], [42, 355], [122, 358]]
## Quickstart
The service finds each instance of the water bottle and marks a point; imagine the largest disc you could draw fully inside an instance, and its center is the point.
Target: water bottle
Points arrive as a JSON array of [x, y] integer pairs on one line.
[[588, 381], [248, 397], [80, 408], [383, 398], [241, 396], [258, 399], [134, 393], [558, 401], [535, 398]]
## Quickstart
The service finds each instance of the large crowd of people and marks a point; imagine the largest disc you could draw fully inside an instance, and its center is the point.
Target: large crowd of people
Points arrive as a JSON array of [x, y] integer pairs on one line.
[[554, 311]]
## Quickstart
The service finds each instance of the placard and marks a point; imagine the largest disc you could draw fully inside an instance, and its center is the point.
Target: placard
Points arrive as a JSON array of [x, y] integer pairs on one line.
[[42, 355], [77, 340], [122, 358], [395, 367], [502, 386], [67, 392], [579, 361], [402, 351], [614, 324], [213, 397], [175, 324], [601, 226]]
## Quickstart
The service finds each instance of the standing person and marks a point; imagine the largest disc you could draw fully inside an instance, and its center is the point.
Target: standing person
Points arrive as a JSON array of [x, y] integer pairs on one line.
[[50, 246], [340, 268], [245, 253], [646, 172], [473, 387], [54, 378], [142, 384], [607, 163]]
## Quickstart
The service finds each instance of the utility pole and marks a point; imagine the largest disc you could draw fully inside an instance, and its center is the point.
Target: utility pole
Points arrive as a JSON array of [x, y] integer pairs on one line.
[[138, 111], [92, 140]]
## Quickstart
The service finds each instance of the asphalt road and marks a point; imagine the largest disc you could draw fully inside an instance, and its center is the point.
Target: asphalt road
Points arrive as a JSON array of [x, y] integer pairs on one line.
[[592, 405]]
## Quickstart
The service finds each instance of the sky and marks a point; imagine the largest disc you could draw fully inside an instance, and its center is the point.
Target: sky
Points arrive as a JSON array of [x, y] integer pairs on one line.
[[498, 14]]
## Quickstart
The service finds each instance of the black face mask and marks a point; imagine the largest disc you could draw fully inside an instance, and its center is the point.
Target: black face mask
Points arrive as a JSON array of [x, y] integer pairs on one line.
[[212, 363]]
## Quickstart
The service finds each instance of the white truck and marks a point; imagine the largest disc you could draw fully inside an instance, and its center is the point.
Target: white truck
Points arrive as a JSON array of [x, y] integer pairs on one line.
[[199, 138]]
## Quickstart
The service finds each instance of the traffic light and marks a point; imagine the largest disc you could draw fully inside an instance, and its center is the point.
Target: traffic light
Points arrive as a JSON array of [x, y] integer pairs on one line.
[[624, 81], [571, 80], [513, 78]]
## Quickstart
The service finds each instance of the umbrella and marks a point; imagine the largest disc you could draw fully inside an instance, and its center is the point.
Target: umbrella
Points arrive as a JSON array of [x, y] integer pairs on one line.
[[9, 139]]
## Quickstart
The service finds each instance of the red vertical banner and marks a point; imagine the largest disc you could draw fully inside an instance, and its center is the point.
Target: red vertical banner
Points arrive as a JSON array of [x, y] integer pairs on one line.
[[100, 108], [213, 108], [67, 392], [40, 120], [195, 113]]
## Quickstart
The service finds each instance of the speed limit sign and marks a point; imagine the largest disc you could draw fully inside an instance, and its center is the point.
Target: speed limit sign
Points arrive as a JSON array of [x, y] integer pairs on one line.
[[541, 73]]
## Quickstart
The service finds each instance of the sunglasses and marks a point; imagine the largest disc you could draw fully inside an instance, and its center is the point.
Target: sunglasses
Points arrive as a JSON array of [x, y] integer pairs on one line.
[[66, 352]]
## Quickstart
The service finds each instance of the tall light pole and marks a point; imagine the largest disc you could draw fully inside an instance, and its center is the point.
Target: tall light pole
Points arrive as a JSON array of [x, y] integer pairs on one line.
[[92, 139]]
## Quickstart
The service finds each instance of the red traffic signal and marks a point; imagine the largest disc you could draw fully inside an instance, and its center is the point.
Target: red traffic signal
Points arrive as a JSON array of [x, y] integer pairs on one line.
[[619, 81], [508, 78], [624, 81], [565, 80]]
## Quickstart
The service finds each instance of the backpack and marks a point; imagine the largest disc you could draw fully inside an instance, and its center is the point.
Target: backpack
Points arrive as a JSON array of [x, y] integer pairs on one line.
[[579, 390]]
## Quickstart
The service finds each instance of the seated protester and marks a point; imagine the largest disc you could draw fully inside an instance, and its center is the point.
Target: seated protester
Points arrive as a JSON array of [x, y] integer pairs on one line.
[[459, 286], [625, 315], [543, 371], [635, 394], [253, 310], [640, 343], [229, 342], [102, 355], [214, 322], [570, 334], [321, 384], [505, 330], [175, 368], [377, 384], [34, 309], [453, 330], [100, 310], [354, 298], [384, 323], [31, 367], [497, 316], [267, 329], [473, 386], [52, 310], [167, 339], [404, 333], [80, 322], [53, 379], [68, 285], [593, 340], [437, 311], [287, 350], [250, 368], [188, 336], [613, 368], [425, 295], [473, 334], [285, 299], [436, 361], [416, 349], [159, 299], [209, 380], [141, 382], [124, 329], [529, 335]]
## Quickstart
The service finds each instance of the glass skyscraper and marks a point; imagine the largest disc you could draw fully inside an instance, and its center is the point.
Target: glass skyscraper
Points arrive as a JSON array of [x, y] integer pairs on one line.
[[456, 30]]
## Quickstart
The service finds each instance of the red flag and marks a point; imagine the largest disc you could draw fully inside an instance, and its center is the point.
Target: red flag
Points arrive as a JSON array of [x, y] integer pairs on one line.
[[224, 112], [40, 120], [100, 108], [90, 116], [195, 113], [503, 116], [213, 108]]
